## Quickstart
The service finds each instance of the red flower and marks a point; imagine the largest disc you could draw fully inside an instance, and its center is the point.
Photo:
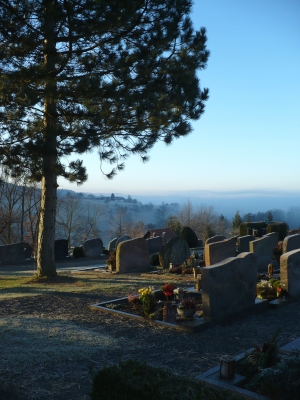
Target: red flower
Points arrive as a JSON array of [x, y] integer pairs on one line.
[[168, 289]]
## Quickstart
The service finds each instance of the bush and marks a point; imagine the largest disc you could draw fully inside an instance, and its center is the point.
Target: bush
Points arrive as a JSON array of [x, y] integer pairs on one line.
[[278, 251], [78, 252], [134, 380], [105, 251], [190, 236], [111, 261], [281, 381], [280, 227], [154, 259], [252, 225]]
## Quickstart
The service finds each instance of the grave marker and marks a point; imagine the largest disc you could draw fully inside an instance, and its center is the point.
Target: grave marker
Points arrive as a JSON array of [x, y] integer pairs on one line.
[[290, 272], [229, 287], [218, 251], [132, 255], [92, 247], [291, 242]]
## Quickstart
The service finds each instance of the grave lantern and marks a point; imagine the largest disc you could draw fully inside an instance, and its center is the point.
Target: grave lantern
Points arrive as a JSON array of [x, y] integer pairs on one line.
[[227, 364]]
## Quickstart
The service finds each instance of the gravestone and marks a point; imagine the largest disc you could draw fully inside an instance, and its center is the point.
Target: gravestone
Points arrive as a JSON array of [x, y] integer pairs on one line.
[[176, 251], [122, 239], [200, 243], [15, 253], [61, 249], [218, 251], [216, 238], [275, 236], [132, 255], [290, 272], [264, 248], [243, 243], [290, 243], [229, 287], [92, 247], [155, 244], [213, 239], [112, 244]]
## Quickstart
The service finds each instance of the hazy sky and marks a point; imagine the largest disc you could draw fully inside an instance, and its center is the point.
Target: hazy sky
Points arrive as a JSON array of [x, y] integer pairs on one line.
[[248, 137]]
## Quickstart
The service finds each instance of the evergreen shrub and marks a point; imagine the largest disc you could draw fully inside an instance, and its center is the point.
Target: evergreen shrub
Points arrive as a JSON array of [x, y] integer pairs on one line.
[[154, 259], [280, 227], [252, 225], [134, 380], [190, 236]]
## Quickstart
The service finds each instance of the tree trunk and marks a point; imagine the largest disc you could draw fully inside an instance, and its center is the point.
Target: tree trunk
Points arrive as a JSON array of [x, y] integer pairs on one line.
[[46, 233]]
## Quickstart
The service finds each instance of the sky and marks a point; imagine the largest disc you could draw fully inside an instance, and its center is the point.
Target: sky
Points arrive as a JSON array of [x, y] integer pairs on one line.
[[248, 138]]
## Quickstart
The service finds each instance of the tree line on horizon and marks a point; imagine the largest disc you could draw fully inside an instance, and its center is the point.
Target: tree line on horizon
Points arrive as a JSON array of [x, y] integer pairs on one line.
[[80, 218]]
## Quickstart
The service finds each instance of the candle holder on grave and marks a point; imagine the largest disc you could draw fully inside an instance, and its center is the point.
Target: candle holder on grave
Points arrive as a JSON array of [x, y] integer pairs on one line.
[[270, 269], [195, 270], [227, 365]]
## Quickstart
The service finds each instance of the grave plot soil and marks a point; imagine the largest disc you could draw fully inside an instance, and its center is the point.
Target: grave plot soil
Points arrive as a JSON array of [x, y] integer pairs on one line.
[[48, 342]]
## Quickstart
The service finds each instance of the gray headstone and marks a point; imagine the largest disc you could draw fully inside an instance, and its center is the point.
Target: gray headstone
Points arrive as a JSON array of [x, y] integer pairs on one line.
[[229, 287], [154, 244], [213, 239], [92, 247], [132, 255], [15, 253], [122, 239], [61, 249], [112, 244], [200, 243], [290, 272], [216, 238], [176, 251], [218, 251], [275, 236], [264, 248], [291, 242], [243, 243]]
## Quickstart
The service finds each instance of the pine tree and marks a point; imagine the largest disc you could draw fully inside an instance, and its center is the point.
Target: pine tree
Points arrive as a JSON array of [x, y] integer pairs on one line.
[[236, 222], [115, 75]]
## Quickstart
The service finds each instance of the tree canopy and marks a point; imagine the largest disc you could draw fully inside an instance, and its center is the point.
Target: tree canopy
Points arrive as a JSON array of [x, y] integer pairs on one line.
[[115, 75]]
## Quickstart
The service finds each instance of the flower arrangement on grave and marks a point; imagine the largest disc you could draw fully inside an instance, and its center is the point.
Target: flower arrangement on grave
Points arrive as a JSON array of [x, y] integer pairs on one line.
[[270, 289], [134, 300], [190, 262], [186, 307], [279, 289], [265, 290], [188, 303], [168, 290], [147, 299], [265, 356]]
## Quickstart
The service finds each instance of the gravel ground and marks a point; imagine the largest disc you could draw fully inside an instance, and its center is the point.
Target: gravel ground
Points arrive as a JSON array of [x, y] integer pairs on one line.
[[49, 342]]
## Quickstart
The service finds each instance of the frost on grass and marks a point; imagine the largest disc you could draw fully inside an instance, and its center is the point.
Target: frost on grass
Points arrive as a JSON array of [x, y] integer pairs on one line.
[[38, 349]]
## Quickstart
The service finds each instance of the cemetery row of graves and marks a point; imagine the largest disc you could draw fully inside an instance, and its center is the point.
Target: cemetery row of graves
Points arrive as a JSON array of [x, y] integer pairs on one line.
[[231, 275]]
